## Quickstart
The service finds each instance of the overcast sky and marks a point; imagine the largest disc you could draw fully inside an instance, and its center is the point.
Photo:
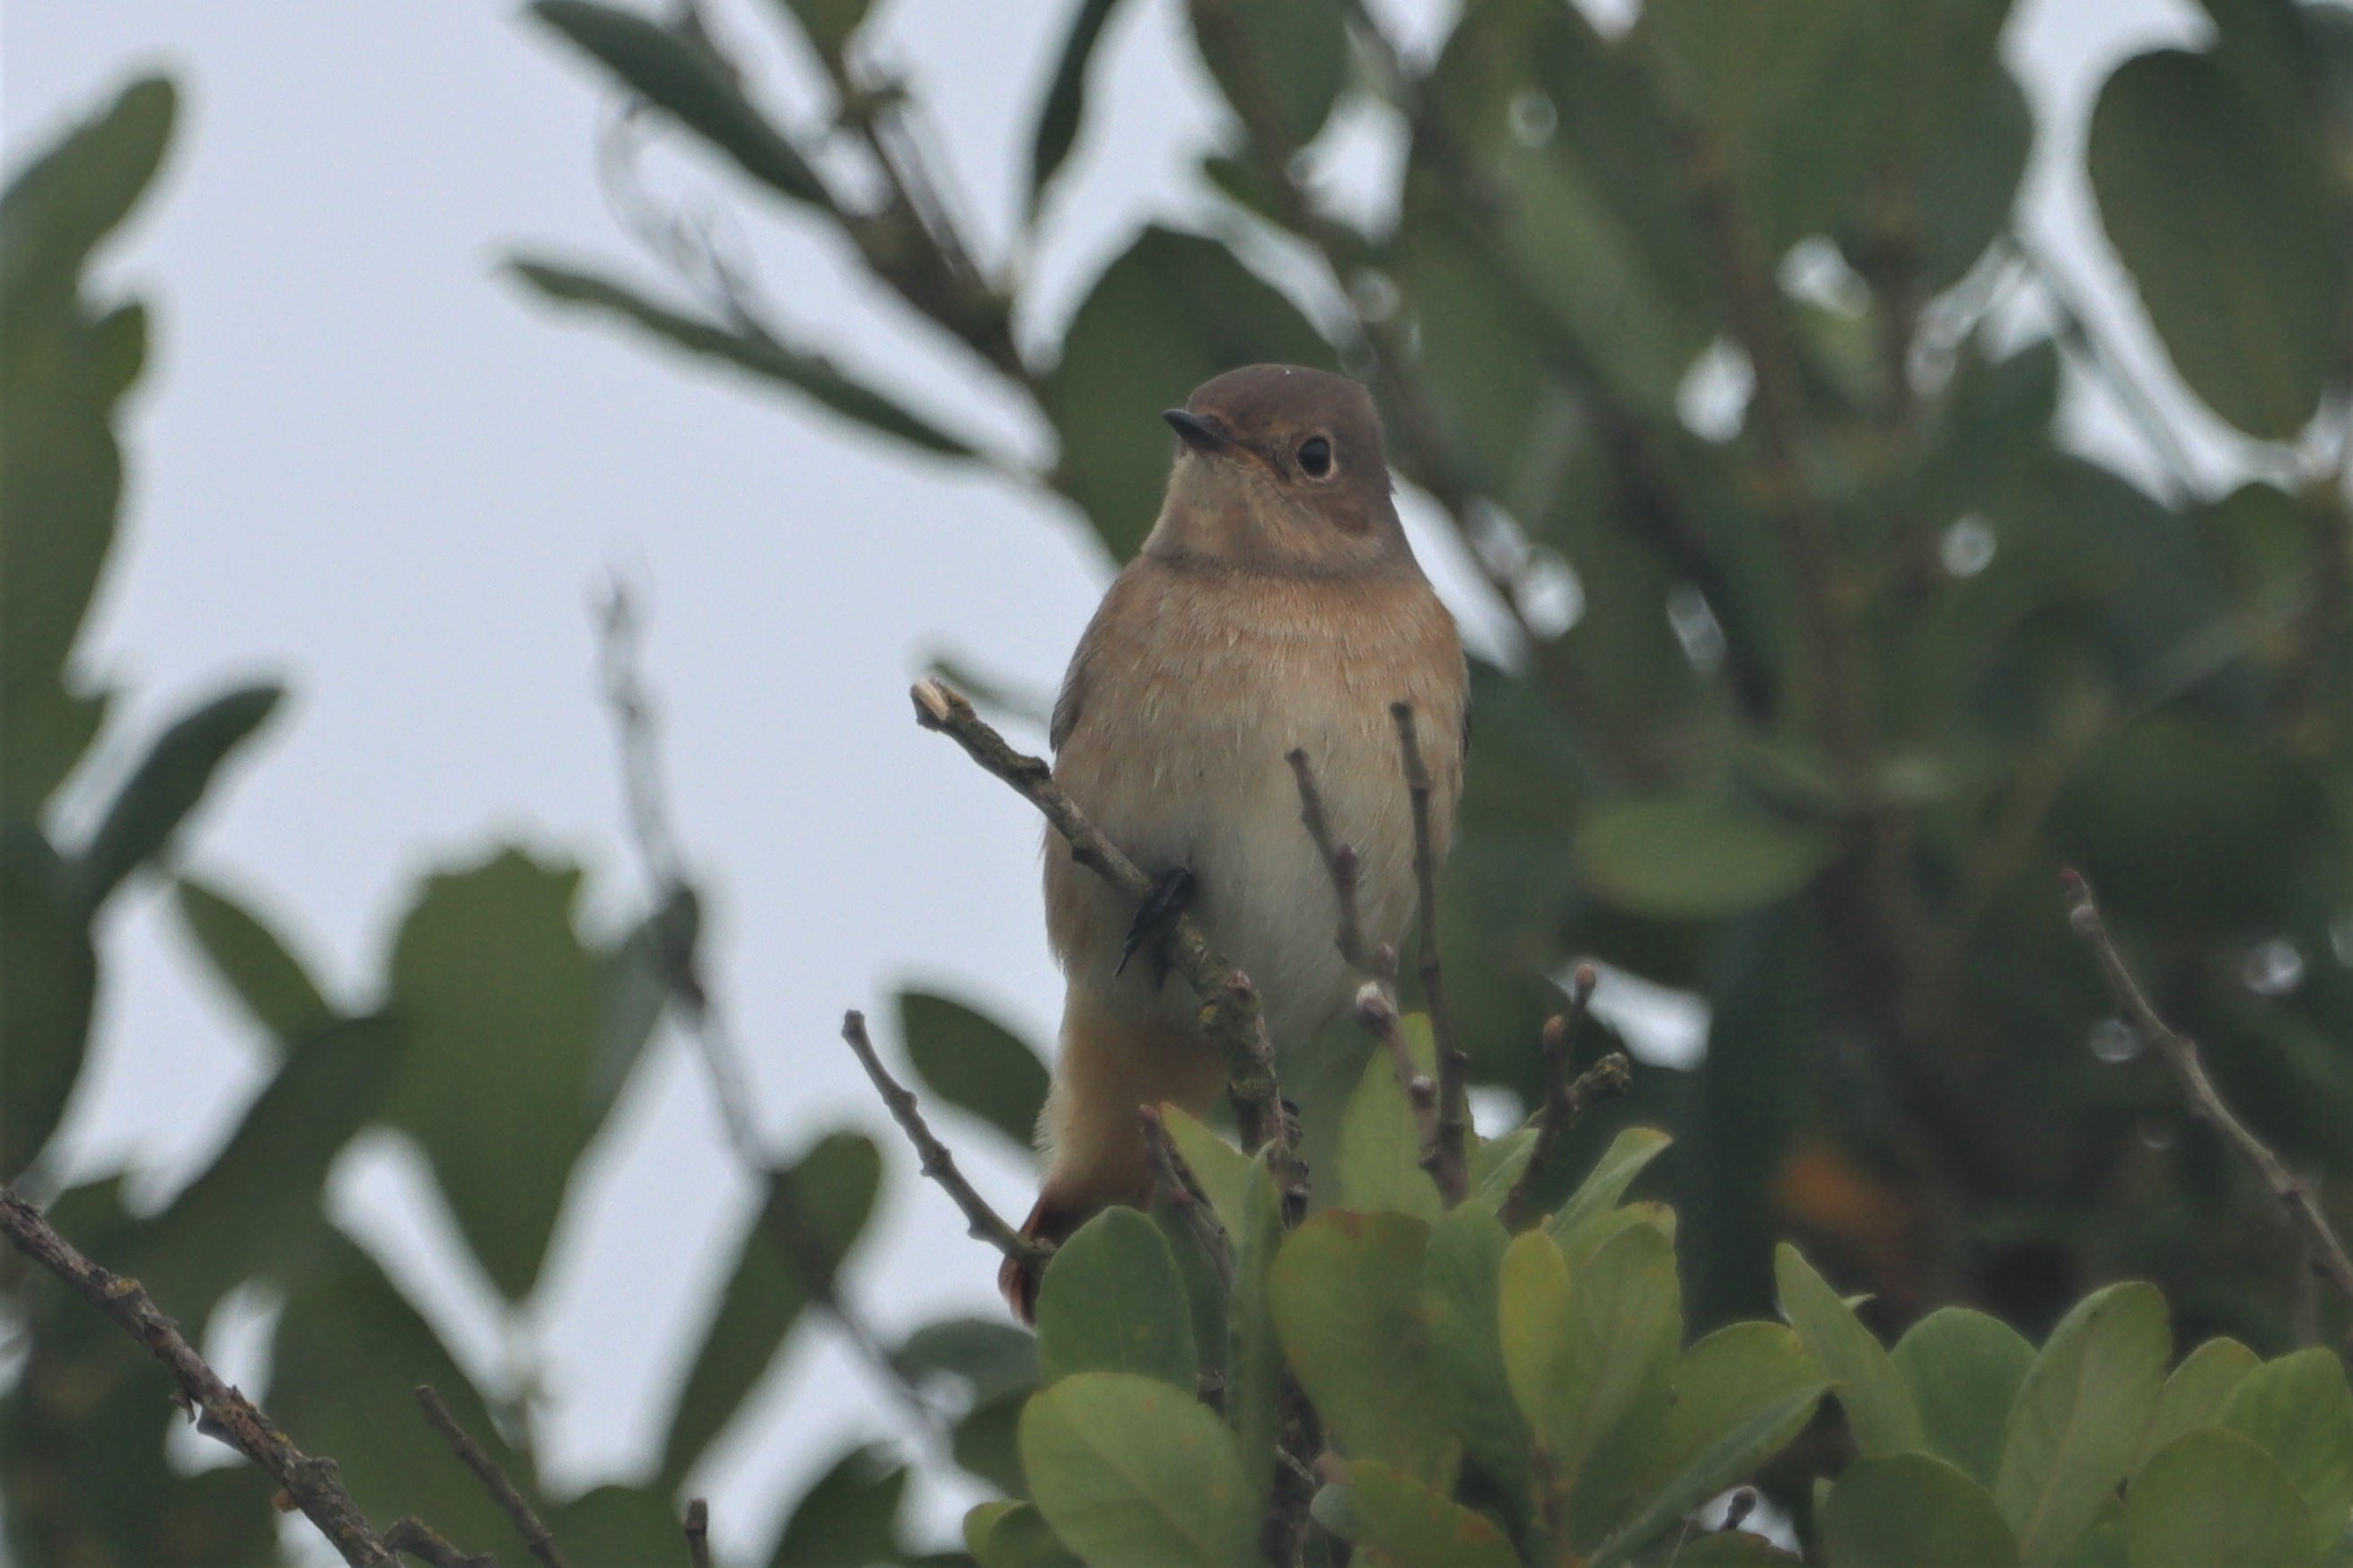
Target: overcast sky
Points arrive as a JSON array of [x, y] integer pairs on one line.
[[364, 463]]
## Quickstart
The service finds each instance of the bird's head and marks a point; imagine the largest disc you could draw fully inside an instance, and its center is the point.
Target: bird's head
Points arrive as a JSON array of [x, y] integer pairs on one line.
[[1280, 467]]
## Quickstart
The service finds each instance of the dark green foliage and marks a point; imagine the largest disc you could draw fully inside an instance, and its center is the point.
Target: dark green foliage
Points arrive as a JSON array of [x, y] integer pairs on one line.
[[972, 1061]]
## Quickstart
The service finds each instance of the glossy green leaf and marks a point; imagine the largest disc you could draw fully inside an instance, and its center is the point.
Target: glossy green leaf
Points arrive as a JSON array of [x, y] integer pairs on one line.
[[1112, 1302], [680, 76], [849, 1516], [1222, 1170], [498, 999], [1064, 109], [814, 1214], [2212, 1498], [1173, 311], [1964, 1369], [2077, 1424], [1132, 1473], [48, 981], [1395, 1522], [1380, 1145], [1629, 1152], [1497, 1164], [610, 1527], [1014, 1535], [1696, 856], [811, 375], [1735, 1453], [165, 788], [2231, 234], [1913, 1510], [2196, 1392], [1581, 1352], [1281, 63], [1347, 1303], [1461, 1303], [1878, 1404], [1254, 1371], [2299, 1410], [1589, 1236], [273, 986], [974, 1063]]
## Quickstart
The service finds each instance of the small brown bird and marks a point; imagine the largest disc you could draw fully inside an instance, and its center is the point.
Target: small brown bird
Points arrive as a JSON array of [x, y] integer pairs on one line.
[[1275, 605]]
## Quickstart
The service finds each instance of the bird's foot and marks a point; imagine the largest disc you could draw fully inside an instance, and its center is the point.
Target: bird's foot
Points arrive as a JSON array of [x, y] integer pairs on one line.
[[1170, 894]]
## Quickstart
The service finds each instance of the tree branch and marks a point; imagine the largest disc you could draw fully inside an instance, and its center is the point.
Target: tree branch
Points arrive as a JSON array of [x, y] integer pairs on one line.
[[1230, 1009], [1339, 860], [698, 1534], [1185, 1195], [1453, 1171], [535, 1534], [1565, 1100], [938, 1161], [413, 1535], [314, 1483], [2206, 1101], [1376, 1014]]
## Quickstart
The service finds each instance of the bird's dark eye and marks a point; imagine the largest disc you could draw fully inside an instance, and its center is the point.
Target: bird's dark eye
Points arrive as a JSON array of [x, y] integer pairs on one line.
[[1315, 456]]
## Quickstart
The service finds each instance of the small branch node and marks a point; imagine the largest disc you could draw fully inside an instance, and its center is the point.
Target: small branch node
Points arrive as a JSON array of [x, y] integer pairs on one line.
[[698, 1534]]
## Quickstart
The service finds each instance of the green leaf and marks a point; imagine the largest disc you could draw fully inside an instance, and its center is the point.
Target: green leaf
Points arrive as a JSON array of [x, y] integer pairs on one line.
[[611, 1526], [815, 1211], [1223, 1171], [1628, 1154], [1581, 1352], [973, 1063], [681, 77], [1964, 1369], [831, 24], [993, 1358], [811, 375], [1462, 1305], [1281, 64], [1878, 1404], [1253, 1350], [2231, 234], [987, 1443], [48, 981], [1014, 1535], [498, 1000], [1735, 1398], [1135, 1474], [1112, 1302], [2077, 1424], [69, 198], [253, 960], [640, 984], [850, 1517], [1380, 1148], [1064, 107], [2196, 1392], [1347, 1304], [167, 785], [1699, 855], [1497, 1164], [1588, 1236], [1397, 1522], [2213, 1496], [1173, 311], [2300, 1410], [350, 1353], [1913, 1510]]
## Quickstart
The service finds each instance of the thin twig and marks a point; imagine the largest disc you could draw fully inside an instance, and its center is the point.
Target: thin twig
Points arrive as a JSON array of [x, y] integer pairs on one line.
[[1453, 1171], [1186, 1198], [1376, 1012], [1230, 1008], [1565, 1100], [313, 1483], [413, 1535], [938, 1160], [2180, 1054], [536, 1533], [1339, 860], [698, 1534]]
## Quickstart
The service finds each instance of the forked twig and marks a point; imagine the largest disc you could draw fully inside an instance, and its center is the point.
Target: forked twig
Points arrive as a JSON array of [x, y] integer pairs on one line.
[[2206, 1101], [534, 1532], [1567, 1100], [1453, 1171]]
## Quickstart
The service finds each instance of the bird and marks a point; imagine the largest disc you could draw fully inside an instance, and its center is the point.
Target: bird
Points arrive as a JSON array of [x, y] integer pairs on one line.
[[1275, 605]]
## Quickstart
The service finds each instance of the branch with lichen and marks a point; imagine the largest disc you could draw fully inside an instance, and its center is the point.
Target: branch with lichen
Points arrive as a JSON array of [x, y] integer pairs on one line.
[[2206, 1102]]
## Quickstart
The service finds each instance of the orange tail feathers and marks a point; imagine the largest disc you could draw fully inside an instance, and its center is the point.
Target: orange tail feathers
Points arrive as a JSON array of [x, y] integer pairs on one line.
[[1050, 1222]]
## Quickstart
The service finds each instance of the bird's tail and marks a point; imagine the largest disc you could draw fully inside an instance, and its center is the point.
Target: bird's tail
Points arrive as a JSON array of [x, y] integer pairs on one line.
[[1050, 1222]]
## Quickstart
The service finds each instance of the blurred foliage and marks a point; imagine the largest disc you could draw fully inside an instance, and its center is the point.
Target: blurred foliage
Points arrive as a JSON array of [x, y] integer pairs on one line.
[[1713, 343]]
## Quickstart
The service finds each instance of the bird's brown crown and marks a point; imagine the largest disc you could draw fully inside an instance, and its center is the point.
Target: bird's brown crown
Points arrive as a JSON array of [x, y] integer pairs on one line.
[[1280, 466]]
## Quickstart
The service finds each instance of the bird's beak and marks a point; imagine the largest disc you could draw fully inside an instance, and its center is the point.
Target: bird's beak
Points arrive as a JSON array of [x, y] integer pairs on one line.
[[1197, 431]]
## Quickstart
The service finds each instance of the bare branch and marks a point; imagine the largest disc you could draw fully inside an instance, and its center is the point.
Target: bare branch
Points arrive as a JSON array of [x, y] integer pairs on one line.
[[313, 1483], [698, 1534], [1453, 1171], [1185, 1195], [2180, 1054], [1230, 1009], [535, 1534], [1339, 860], [1565, 1100], [413, 1535], [938, 1161]]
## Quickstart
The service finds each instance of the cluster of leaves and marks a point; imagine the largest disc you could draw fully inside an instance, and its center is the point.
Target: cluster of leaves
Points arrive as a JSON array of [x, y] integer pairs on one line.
[[500, 1040], [1819, 690]]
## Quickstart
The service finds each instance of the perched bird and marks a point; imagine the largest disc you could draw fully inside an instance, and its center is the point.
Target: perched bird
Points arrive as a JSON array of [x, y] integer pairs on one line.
[[1276, 605]]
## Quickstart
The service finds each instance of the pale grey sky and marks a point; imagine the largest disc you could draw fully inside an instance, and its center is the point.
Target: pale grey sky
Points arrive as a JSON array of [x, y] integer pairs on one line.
[[362, 462]]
